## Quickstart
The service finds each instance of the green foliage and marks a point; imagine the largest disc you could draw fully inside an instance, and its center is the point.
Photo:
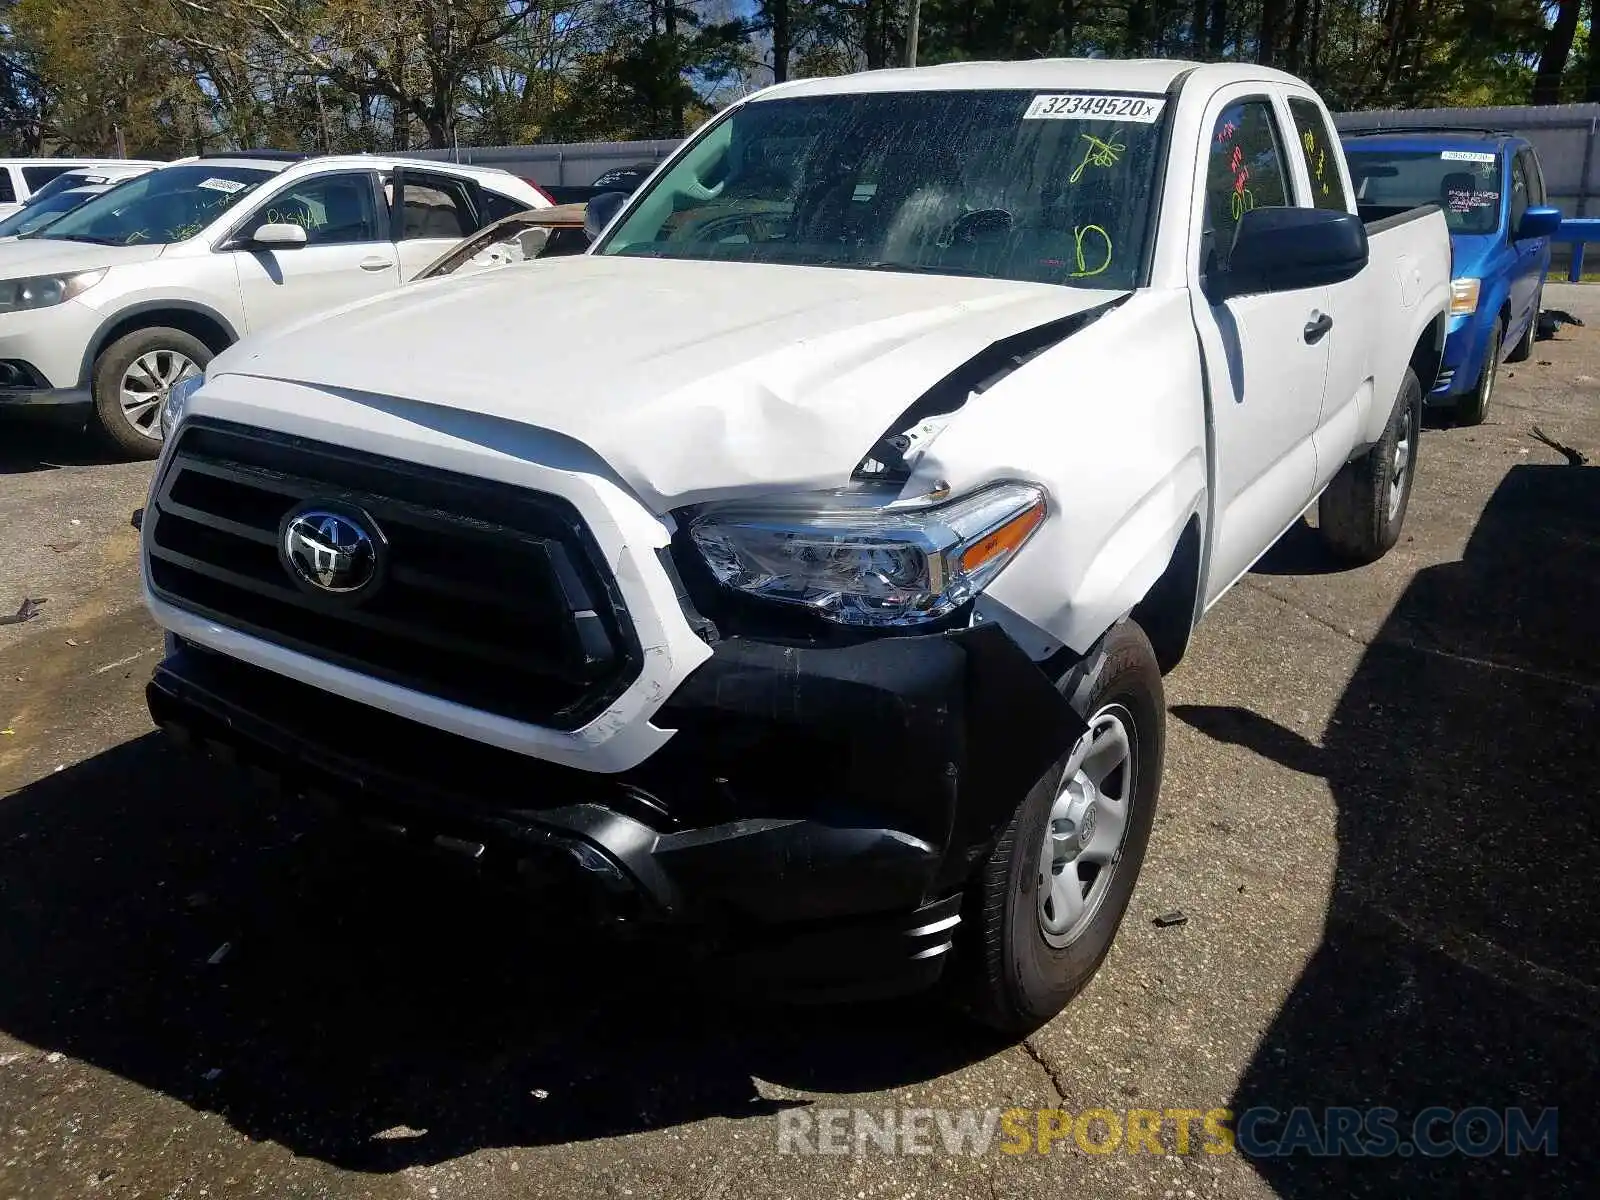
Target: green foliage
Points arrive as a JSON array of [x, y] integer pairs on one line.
[[168, 77]]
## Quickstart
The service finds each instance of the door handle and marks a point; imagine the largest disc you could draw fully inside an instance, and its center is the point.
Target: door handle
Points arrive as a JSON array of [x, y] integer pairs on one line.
[[1317, 328], [376, 264]]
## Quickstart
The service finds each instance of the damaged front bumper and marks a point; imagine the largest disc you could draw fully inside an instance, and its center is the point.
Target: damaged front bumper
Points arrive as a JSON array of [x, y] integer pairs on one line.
[[818, 813]]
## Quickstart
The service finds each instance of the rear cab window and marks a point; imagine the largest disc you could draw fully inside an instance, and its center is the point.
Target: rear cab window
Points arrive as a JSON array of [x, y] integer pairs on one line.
[[8, 190], [1320, 154]]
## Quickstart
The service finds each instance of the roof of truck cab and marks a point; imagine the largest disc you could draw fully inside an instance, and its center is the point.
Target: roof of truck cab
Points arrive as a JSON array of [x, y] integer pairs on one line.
[[1146, 75]]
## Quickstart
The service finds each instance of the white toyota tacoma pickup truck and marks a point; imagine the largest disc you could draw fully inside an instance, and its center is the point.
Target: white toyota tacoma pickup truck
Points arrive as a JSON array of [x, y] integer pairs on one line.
[[800, 565]]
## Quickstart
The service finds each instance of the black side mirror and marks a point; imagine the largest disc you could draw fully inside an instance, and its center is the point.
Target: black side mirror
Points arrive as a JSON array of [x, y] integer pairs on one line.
[[598, 212], [1285, 249], [1539, 222]]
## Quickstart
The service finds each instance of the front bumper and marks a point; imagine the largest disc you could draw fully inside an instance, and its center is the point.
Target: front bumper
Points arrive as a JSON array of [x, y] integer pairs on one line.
[[52, 342], [817, 815], [1466, 350]]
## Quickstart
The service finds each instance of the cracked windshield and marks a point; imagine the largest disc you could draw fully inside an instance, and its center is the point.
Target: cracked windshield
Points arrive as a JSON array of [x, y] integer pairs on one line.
[[1045, 188], [170, 205]]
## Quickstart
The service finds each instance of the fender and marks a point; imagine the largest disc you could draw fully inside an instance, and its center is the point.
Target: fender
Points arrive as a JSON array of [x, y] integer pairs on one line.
[[1118, 440], [102, 332]]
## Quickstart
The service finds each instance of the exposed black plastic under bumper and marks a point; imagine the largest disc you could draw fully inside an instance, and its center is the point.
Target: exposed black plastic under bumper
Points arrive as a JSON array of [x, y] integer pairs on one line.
[[821, 809], [43, 397]]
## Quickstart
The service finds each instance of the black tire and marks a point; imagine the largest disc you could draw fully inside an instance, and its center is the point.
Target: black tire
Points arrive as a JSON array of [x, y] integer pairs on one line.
[[1360, 514], [1015, 979], [1473, 408], [108, 420], [1523, 350]]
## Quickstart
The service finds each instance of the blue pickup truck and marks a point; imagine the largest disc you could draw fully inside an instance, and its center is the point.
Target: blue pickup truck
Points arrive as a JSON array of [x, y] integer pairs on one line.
[[1492, 192]]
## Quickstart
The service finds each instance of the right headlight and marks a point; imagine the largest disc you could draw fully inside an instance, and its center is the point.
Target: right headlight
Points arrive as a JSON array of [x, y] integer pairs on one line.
[[861, 564], [172, 408], [46, 291]]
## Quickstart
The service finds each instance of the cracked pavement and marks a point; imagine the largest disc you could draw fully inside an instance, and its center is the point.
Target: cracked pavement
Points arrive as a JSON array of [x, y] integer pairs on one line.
[[1378, 817]]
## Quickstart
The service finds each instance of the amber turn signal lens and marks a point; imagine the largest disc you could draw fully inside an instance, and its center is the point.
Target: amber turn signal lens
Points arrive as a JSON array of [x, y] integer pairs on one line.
[[1003, 540]]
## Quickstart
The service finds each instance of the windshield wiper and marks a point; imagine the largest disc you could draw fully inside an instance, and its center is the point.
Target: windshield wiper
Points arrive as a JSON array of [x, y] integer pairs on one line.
[[75, 237], [922, 269]]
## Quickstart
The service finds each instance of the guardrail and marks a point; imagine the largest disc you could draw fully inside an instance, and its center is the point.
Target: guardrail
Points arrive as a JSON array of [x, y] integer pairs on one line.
[[1578, 232]]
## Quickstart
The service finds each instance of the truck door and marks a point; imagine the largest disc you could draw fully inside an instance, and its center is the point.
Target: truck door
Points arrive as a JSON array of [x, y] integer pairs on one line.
[[1266, 356], [1347, 394]]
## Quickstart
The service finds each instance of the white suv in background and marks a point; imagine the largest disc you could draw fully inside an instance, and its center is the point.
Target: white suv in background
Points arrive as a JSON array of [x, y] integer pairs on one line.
[[119, 299], [20, 178]]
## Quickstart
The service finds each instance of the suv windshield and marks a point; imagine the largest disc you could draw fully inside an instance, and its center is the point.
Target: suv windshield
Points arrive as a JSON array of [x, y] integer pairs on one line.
[[36, 215], [67, 179], [167, 205], [1465, 183], [1047, 188]]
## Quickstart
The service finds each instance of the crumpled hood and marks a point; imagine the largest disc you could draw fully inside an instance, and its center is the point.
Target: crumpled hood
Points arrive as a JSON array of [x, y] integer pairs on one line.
[[24, 257], [691, 379]]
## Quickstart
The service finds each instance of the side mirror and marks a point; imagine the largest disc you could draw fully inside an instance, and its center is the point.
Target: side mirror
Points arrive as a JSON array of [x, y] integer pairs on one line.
[[1539, 222], [1285, 249], [278, 236], [597, 214]]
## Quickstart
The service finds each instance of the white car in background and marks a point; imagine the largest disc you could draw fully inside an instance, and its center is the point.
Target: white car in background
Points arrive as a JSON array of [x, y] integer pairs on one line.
[[64, 193], [23, 178], [111, 304]]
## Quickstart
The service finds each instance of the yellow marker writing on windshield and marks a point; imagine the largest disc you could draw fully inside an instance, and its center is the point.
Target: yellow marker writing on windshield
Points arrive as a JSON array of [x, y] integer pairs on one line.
[[1078, 235], [1101, 153]]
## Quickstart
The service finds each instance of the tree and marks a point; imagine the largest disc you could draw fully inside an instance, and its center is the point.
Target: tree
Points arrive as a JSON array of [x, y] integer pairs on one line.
[[1553, 56]]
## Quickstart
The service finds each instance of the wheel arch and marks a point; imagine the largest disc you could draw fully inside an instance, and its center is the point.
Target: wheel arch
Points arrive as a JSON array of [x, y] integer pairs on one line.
[[1427, 356], [1167, 611], [210, 326]]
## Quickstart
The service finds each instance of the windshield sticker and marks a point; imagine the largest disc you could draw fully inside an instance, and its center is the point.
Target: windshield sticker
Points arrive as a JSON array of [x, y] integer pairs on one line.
[[1141, 110], [1482, 156], [1100, 152], [1461, 200], [230, 186]]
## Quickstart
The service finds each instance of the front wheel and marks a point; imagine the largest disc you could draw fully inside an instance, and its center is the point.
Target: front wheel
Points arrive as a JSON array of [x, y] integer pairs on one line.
[[132, 378], [1045, 907], [1523, 350], [1473, 408], [1364, 507]]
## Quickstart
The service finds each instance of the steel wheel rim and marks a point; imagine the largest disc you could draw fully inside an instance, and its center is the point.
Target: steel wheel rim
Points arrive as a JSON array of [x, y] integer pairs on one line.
[[146, 384], [1087, 826], [1400, 468]]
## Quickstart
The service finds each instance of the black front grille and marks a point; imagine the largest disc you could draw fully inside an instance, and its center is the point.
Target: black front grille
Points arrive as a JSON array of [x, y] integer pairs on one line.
[[493, 596]]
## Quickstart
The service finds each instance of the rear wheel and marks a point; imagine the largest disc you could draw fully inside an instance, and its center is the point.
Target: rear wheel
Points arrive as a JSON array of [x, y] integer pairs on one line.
[[1045, 907], [132, 378], [1364, 507], [1473, 408]]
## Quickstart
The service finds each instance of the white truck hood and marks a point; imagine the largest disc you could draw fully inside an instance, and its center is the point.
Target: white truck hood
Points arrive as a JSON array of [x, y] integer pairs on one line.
[[21, 258], [692, 380]]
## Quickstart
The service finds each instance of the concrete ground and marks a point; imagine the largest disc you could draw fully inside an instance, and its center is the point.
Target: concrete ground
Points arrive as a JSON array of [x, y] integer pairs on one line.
[[1378, 818]]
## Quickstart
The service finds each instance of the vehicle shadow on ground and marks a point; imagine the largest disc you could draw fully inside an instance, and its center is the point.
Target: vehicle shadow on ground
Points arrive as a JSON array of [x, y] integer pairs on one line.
[[367, 1013], [30, 444], [1460, 965]]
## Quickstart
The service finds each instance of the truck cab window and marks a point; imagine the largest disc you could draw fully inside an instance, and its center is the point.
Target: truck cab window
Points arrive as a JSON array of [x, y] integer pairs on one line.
[[1321, 156], [1244, 170]]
